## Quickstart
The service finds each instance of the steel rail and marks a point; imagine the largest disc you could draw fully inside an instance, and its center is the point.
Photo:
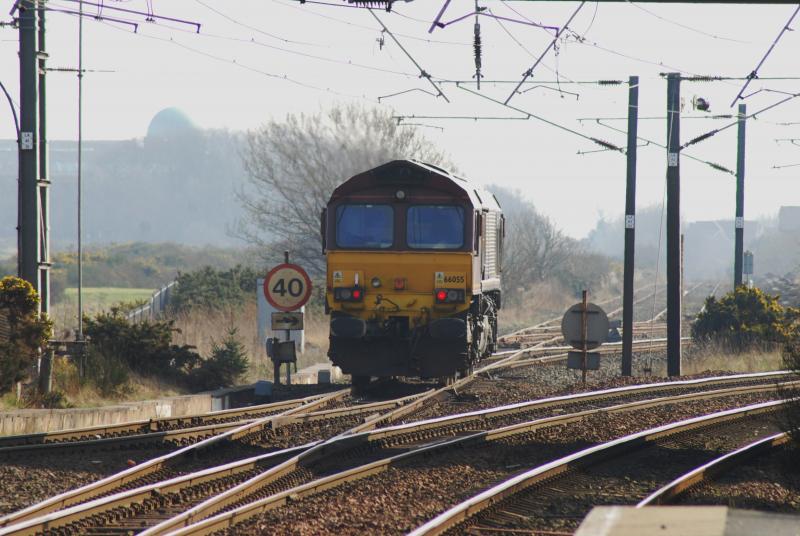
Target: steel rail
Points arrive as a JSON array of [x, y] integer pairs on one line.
[[338, 445], [79, 512], [198, 524], [234, 494], [316, 451], [395, 414], [615, 448], [183, 436], [117, 480], [179, 436], [670, 492], [606, 348], [151, 425], [545, 324], [348, 411]]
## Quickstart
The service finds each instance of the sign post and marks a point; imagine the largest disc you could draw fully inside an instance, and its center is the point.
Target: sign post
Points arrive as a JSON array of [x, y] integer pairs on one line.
[[287, 288], [585, 327]]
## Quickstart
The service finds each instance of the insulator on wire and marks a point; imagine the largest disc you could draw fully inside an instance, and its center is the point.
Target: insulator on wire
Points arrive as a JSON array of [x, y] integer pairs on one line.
[[385, 4], [478, 53]]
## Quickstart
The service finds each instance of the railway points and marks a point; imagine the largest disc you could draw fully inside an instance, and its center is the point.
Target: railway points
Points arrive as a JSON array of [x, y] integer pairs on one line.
[[441, 459], [556, 495], [408, 436]]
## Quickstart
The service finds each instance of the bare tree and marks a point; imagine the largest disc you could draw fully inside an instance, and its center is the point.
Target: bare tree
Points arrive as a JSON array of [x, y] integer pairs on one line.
[[293, 167], [536, 250]]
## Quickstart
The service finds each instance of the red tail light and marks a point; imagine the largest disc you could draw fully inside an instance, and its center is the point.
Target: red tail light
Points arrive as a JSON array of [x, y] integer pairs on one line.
[[348, 294], [399, 283], [449, 295]]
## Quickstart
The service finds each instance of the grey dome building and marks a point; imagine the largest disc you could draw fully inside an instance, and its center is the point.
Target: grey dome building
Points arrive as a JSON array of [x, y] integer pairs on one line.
[[171, 123]]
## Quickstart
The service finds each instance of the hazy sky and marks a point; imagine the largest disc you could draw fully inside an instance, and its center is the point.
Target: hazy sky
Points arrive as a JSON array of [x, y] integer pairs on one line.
[[231, 75]]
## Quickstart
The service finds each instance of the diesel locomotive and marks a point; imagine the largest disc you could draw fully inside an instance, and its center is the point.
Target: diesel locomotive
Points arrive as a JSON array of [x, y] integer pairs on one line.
[[413, 273]]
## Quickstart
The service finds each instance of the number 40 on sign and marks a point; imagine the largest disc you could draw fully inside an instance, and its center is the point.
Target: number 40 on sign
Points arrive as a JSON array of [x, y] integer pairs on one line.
[[287, 287]]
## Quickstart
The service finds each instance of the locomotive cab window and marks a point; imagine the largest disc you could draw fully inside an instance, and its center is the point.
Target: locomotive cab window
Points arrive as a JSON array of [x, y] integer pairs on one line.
[[435, 227], [364, 226]]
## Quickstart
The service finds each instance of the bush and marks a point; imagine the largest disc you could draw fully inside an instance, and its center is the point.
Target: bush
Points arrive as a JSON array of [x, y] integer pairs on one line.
[[144, 347], [51, 400], [744, 317], [117, 347], [28, 332], [226, 366], [208, 288], [107, 372]]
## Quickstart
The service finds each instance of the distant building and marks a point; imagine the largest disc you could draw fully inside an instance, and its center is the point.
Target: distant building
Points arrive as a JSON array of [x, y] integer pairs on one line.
[[708, 246], [789, 219], [178, 184], [169, 123]]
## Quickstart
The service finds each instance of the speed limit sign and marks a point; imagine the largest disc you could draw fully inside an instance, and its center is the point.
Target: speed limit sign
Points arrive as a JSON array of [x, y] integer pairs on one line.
[[287, 287]]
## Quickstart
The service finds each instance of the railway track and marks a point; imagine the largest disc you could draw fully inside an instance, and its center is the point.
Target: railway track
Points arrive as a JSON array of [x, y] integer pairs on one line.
[[549, 332], [550, 324], [155, 468], [120, 511], [182, 431], [671, 493], [273, 432], [340, 492], [159, 425], [555, 496], [261, 431]]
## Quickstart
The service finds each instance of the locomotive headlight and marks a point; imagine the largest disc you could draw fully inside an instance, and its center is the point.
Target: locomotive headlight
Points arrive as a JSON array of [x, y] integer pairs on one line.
[[400, 195], [376, 282]]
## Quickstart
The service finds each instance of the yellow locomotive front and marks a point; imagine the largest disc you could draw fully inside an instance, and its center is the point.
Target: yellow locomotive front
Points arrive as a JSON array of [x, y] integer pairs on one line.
[[406, 273]]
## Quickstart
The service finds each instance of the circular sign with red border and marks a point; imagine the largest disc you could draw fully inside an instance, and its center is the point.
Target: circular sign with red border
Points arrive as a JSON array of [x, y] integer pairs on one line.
[[287, 287]]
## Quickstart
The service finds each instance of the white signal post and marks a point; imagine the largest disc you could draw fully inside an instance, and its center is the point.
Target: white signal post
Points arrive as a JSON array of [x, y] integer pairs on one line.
[[287, 287]]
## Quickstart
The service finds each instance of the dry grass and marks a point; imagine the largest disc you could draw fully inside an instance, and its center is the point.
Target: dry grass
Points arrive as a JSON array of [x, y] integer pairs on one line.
[[714, 356], [85, 395], [541, 302], [202, 328]]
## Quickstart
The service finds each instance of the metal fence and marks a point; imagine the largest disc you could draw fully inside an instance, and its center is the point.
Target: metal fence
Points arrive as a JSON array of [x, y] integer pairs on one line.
[[156, 307]]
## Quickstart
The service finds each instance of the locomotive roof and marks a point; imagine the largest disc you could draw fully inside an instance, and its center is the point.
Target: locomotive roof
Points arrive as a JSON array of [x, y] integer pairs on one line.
[[413, 172]]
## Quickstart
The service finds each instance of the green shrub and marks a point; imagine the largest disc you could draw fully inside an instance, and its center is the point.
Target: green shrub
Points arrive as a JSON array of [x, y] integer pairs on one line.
[[226, 366], [744, 317], [19, 304], [107, 372], [208, 288], [144, 347], [51, 400]]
